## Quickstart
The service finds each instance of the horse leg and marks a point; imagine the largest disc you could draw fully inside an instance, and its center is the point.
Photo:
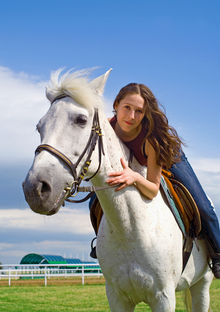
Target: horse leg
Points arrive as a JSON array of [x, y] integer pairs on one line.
[[200, 293], [118, 302], [165, 301]]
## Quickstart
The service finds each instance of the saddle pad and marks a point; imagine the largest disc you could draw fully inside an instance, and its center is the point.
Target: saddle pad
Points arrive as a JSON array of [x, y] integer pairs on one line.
[[170, 201]]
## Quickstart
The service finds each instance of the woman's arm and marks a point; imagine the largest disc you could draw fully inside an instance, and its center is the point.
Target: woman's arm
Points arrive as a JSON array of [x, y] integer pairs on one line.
[[148, 187]]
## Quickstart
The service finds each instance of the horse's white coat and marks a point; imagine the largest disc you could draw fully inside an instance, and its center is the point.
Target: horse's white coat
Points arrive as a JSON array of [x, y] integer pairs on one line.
[[139, 244]]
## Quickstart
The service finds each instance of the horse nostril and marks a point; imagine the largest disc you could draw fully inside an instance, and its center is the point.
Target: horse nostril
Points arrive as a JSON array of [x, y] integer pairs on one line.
[[43, 189]]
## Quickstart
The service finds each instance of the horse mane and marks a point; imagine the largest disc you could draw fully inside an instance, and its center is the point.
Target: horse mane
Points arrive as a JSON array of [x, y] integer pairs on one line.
[[76, 85]]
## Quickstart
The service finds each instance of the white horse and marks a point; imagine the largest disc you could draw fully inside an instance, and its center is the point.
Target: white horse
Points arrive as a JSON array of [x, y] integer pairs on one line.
[[139, 244]]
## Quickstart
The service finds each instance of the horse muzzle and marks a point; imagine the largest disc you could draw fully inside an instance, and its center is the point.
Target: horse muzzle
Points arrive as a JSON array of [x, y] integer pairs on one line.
[[40, 195]]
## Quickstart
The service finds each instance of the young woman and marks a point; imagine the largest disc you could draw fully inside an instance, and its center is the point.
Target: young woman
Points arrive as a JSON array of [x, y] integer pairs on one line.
[[143, 128]]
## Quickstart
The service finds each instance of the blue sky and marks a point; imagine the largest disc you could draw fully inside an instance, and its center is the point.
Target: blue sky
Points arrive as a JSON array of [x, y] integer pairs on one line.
[[171, 46]]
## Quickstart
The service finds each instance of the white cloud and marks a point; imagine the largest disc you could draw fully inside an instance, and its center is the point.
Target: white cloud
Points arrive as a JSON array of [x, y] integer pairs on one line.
[[211, 183], [73, 221], [22, 104], [5, 246], [208, 173], [206, 164]]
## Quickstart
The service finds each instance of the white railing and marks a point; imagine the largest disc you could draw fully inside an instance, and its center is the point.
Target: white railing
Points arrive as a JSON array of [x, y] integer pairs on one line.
[[49, 270]]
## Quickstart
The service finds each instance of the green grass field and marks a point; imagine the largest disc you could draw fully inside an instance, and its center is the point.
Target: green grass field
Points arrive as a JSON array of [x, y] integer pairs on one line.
[[71, 296]]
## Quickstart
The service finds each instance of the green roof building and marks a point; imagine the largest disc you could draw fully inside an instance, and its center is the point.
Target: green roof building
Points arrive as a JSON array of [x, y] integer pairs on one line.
[[33, 258], [58, 263]]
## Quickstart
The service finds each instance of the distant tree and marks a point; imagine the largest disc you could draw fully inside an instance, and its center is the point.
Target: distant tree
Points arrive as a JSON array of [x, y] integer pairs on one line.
[[1, 268]]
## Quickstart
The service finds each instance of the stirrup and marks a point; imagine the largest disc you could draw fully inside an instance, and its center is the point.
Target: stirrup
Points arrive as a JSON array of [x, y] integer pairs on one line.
[[93, 251], [215, 267]]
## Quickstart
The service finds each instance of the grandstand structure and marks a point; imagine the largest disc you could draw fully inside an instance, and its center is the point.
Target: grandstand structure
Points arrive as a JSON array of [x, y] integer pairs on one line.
[[33, 258], [55, 264]]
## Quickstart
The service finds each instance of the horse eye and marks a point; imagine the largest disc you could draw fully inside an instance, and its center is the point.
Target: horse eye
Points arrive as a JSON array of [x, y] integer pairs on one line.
[[81, 119]]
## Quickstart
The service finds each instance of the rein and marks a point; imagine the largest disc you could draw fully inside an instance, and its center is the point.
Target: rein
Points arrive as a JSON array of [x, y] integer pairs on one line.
[[95, 136]]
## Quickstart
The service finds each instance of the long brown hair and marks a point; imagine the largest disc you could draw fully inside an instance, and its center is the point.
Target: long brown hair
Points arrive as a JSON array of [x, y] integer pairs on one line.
[[159, 133]]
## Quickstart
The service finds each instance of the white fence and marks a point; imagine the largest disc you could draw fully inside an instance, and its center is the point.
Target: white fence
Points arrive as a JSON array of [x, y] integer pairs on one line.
[[49, 270]]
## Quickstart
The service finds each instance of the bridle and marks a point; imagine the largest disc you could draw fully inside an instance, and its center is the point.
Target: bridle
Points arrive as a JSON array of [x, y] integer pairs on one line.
[[95, 136]]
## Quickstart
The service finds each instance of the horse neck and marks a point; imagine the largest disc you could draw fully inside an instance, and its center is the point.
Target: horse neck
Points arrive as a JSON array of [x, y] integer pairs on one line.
[[113, 147], [116, 205]]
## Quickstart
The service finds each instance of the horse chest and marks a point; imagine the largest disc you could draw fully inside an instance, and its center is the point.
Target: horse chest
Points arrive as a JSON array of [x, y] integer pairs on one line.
[[132, 279]]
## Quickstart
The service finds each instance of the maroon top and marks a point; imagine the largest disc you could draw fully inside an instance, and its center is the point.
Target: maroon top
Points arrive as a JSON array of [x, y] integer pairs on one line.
[[135, 145]]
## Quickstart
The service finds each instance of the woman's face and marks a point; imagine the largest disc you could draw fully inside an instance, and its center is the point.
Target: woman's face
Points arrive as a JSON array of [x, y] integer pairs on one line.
[[130, 112]]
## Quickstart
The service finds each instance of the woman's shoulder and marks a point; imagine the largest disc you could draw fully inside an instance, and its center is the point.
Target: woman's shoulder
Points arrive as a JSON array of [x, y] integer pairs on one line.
[[148, 148]]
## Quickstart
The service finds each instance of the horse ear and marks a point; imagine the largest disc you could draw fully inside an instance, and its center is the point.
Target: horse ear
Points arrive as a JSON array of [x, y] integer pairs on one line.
[[50, 94], [98, 83]]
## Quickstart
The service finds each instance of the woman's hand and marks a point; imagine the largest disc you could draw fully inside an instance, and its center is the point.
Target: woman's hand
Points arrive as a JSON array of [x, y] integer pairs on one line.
[[125, 177], [147, 186]]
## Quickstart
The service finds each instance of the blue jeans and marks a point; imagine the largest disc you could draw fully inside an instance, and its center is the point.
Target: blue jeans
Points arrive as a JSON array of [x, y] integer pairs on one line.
[[184, 173]]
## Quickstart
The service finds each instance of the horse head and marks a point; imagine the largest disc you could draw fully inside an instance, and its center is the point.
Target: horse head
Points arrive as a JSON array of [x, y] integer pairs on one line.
[[64, 132]]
